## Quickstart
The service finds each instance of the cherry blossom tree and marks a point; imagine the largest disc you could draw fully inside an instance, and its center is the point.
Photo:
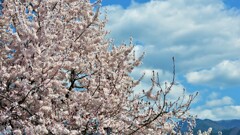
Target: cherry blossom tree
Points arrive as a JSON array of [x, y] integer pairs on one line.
[[61, 75]]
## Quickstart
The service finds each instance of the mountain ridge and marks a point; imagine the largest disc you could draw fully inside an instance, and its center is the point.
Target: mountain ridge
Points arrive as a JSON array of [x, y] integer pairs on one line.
[[227, 127]]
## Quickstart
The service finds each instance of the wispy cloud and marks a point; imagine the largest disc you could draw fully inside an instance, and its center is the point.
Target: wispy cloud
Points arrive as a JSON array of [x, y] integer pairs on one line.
[[220, 102], [218, 113], [223, 74]]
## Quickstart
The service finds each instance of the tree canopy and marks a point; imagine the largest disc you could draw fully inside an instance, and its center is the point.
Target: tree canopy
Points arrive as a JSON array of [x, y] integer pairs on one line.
[[61, 75]]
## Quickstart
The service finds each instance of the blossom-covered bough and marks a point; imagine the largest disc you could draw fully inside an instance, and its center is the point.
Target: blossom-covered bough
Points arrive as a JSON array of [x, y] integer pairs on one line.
[[60, 75]]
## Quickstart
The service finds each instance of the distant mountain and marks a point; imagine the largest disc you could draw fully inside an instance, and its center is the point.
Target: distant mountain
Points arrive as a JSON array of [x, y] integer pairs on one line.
[[230, 123], [228, 127], [232, 131]]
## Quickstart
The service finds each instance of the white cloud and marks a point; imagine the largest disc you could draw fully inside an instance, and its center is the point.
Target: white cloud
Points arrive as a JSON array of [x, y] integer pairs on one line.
[[139, 50], [226, 73], [164, 77], [199, 33], [220, 102], [176, 91], [218, 113], [217, 108]]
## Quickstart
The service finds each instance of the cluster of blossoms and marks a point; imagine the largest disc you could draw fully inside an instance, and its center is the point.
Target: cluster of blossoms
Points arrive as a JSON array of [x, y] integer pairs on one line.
[[60, 75], [208, 132]]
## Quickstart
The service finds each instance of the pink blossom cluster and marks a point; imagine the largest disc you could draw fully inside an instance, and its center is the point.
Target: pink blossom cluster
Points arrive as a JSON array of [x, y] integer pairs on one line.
[[60, 75]]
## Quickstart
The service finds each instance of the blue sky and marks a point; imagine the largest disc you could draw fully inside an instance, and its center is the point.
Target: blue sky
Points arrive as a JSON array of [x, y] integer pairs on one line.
[[202, 35]]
